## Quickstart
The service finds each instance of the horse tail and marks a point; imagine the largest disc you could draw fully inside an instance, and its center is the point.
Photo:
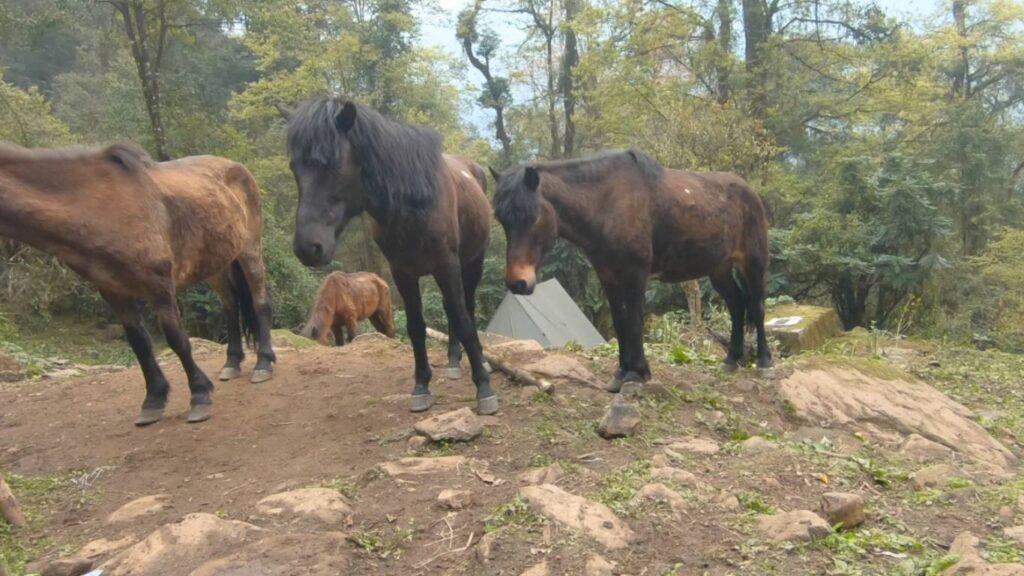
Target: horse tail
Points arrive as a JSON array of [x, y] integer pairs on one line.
[[243, 300]]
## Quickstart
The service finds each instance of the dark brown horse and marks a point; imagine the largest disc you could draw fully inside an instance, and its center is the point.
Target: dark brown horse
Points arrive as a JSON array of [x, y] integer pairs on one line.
[[139, 230], [430, 213], [634, 220], [343, 301]]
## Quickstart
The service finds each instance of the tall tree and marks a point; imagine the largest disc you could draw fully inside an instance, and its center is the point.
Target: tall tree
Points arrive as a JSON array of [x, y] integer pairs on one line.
[[496, 94]]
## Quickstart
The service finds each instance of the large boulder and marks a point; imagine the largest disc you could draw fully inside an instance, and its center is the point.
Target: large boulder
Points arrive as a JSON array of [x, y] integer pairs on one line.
[[884, 403], [799, 328], [592, 518], [180, 547]]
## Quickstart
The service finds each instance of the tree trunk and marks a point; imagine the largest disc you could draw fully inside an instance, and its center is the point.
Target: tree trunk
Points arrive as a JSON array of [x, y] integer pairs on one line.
[[962, 76], [147, 64], [693, 302], [570, 58], [724, 67], [496, 97], [756, 31]]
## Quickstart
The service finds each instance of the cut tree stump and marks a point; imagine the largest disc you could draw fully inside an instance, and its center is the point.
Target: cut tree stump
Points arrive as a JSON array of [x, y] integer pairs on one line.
[[9, 508], [499, 364]]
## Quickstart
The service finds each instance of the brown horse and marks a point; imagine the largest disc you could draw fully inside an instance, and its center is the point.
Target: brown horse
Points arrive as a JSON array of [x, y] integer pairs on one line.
[[139, 230], [634, 220], [430, 213], [346, 299]]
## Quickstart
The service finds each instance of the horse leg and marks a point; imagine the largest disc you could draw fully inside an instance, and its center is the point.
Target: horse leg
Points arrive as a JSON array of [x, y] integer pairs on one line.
[[128, 311], [628, 304], [409, 290], [352, 327], [256, 275], [754, 274], [454, 352], [614, 295], [726, 286], [450, 282], [471, 276], [232, 369], [201, 387], [338, 329]]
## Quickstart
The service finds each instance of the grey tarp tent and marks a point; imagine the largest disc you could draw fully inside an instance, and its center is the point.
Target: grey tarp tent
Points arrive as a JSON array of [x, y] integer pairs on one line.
[[548, 316]]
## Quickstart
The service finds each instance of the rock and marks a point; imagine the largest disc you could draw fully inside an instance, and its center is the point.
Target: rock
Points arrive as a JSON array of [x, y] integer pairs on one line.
[[883, 402], [416, 466], [485, 547], [660, 493], [839, 441], [934, 476], [661, 461], [182, 546], [139, 507], [592, 518], [676, 476], [71, 566], [967, 547], [694, 445], [621, 419], [727, 501], [597, 565], [800, 328], [460, 425], [516, 349], [795, 526], [417, 443], [560, 367], [309, 554], [538, 570], [917, 448], [1015, 533], [545, 475], [843, 508], [455, 499], [10, 368], [97, 549], [320, 507], [757, 445]]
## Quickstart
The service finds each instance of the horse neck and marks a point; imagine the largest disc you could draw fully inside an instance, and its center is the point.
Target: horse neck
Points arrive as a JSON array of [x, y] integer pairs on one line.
[[37, 204], [574, 207]]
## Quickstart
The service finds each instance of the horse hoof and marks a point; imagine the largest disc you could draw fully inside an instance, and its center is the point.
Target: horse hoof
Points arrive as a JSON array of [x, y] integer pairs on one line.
[[229, 373], [614, 385], [487, 406], [730, 367], [454, 373], [421, 402], [766, 371], [149, 416], [631, 388], [261, 376], [200, 413]]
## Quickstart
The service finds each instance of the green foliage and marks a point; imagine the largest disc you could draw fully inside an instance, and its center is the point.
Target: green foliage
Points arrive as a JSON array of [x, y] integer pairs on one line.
[[18, 547], [517, 513], [620, 486]]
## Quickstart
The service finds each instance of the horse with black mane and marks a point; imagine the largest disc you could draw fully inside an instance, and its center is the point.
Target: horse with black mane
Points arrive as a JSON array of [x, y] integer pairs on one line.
[[140, 230], [429, 210], [635, 220]]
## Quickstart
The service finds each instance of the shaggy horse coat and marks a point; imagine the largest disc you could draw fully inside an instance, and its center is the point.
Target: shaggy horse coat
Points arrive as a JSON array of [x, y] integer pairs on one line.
[[430, 214], [635, 220], [343, 301], [139, 230]]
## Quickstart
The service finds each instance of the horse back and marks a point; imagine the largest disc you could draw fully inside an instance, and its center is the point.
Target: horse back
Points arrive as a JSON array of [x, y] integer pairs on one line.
[[468, 180]]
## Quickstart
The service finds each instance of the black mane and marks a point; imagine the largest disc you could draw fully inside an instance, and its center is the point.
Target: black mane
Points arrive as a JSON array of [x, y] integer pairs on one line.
[[399, 162], [514, 205]]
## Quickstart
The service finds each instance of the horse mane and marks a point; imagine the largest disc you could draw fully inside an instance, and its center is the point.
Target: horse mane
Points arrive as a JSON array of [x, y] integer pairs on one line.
[[513, 205], [399, 162], [130, 156]]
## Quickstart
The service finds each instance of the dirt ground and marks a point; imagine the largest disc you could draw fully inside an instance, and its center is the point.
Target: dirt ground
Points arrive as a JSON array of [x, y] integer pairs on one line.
[[331, 416]]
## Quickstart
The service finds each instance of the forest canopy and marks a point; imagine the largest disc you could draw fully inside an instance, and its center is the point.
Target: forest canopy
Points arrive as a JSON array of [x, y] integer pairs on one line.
[[889, 150]]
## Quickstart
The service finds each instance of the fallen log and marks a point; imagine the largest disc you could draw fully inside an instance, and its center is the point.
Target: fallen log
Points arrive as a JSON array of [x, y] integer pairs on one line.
[[9, 507], [502, 366]]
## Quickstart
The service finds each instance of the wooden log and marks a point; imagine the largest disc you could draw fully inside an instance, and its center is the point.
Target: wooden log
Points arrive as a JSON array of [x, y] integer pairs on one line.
[[9, 507], [502, 366]]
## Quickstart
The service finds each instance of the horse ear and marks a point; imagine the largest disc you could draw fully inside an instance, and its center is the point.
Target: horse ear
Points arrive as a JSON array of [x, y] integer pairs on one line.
[[494, 173], [346, 118], [531, 178], [285, 111]]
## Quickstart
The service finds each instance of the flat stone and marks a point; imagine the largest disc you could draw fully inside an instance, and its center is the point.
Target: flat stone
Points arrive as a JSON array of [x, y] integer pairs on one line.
[[597, 565], [417, 443], [544, 475], [843, 508], [538, 570], [102, 547], [514, 349], [795, 526], [71, 566], [180, 547], [314, 506], [656, 492], [757, 445], [934, 476], [917, 448], [800, 327], [460, 425], [561, 367], [621, 419], [1015, 533], [695, 445], [455, 499], [727, 501], [292, 554], [139, 507], [677, 476], [967, 547], [592, 518], [414, 466]]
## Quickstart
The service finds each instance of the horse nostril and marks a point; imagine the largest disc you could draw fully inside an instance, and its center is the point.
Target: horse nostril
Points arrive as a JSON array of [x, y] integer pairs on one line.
[[517, 286]]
